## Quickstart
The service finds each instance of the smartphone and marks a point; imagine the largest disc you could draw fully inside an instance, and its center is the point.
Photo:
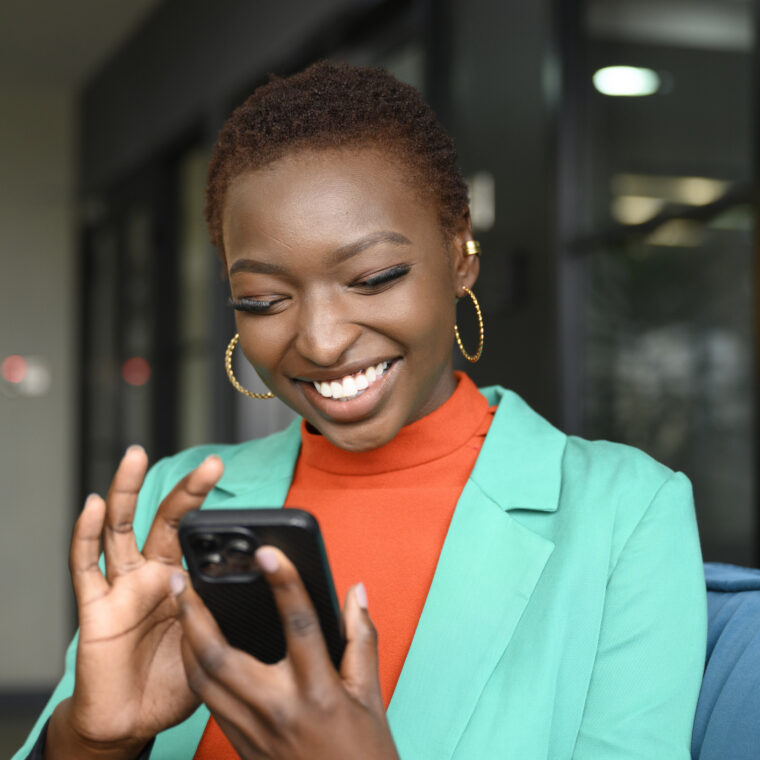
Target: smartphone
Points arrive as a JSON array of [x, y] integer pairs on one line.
[[219, 545]]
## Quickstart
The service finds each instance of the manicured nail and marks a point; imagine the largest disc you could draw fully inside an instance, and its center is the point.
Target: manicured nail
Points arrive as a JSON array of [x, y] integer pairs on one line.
[[361, 595], [267, 559], [177, 583]]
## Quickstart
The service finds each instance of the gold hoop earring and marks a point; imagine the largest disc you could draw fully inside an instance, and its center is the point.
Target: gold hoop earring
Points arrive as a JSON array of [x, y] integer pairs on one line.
[[472, 357], [472, 248], [231, 375]]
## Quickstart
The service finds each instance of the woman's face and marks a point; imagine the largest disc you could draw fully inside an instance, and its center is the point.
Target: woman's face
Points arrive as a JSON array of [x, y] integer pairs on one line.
[[345, 290]]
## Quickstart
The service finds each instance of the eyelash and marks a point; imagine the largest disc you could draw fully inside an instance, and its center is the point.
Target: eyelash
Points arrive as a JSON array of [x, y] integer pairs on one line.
[[383, 278], [375, 282], [250, 305]]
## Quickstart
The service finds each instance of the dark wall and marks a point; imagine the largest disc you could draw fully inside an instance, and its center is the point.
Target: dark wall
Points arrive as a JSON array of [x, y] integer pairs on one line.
[[171, 73]]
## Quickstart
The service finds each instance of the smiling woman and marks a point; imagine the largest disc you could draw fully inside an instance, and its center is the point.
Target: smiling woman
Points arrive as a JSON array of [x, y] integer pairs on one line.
[[532, 595]]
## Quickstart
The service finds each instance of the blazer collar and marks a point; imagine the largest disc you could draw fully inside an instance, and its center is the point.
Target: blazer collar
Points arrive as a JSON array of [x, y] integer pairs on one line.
[[520, 464], [264, 465]]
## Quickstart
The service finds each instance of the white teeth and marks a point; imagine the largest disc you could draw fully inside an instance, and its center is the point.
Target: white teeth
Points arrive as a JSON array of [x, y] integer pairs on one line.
[[351, 385]]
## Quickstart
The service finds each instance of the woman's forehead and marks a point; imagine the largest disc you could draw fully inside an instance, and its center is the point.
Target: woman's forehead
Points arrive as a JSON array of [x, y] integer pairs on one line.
[[323, 192], [302, 169]]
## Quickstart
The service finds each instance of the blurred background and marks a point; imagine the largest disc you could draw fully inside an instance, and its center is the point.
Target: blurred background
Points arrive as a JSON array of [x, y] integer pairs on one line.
[[610, 147]]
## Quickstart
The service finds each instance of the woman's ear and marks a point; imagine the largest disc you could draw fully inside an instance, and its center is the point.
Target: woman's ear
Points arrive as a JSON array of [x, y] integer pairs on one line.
[[466, 264]]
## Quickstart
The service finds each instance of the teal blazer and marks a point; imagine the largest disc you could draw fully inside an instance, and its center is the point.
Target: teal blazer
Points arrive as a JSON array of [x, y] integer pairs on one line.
[[567, 615]]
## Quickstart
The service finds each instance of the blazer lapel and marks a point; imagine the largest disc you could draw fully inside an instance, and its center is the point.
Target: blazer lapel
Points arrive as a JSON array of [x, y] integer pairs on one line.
[[258, 473], [486, 573]]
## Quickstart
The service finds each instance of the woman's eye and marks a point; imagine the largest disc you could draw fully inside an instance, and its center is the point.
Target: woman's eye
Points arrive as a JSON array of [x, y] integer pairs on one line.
[[253, 305], [383, 278]]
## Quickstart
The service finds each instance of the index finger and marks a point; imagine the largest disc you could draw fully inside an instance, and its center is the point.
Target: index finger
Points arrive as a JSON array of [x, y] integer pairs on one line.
[[119, 545], [162, 543], [306, 645]]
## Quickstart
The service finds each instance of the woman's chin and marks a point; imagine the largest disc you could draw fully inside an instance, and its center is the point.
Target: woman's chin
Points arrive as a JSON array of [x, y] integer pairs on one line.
[[361, 436]]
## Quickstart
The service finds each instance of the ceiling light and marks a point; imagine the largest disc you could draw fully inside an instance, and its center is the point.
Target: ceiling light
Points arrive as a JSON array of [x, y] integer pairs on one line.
[[635, 209], [626, 81], [689, 191], [677, 233]]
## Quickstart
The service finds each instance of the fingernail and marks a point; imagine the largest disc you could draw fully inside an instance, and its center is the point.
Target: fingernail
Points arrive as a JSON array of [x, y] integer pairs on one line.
[[267, 559], [89, 498], [361, 595], [212, 458], [177, 583], [134, 447]]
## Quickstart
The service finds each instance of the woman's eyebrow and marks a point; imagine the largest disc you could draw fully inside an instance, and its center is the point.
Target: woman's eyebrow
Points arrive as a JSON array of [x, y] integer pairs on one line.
[[345, 252], [256, 267]]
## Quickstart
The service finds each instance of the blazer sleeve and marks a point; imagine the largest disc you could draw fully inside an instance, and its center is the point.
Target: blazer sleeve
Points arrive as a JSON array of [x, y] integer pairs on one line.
[[152, 491], [650, 658]]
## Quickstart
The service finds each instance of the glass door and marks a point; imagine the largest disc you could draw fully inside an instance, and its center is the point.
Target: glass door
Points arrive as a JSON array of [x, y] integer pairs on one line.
[[128, 318], [663, 248]]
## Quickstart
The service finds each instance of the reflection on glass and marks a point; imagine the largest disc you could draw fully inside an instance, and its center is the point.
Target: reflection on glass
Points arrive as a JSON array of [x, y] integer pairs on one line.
[[137, 325], [101, 370], [195, 324], [668, 348], [668, 368]]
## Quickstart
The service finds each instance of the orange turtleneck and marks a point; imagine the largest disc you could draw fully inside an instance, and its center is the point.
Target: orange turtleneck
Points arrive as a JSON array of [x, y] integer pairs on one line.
[[384, 516]]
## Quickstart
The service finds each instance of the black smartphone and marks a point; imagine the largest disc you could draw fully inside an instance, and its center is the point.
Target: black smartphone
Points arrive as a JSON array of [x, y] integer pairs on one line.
[[219, 546]]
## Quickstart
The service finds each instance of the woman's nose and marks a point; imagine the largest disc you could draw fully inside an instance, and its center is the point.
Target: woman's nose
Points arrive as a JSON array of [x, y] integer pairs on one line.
[[325, 334]]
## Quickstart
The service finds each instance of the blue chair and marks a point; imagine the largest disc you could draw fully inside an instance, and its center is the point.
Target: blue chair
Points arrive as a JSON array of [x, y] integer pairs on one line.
[[727, 721]]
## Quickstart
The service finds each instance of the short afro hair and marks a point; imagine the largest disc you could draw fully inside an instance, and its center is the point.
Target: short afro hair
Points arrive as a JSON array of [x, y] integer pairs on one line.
[[331, 105]]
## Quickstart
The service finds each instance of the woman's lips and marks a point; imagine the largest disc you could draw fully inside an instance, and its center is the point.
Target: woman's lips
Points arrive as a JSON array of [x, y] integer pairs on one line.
[[357, 407]]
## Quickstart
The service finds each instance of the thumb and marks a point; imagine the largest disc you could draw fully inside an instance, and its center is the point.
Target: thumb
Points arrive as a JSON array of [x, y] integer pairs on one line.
[[358, 669]]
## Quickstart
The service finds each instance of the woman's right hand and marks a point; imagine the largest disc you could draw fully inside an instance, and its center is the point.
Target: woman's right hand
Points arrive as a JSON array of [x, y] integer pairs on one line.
[[130, 680]]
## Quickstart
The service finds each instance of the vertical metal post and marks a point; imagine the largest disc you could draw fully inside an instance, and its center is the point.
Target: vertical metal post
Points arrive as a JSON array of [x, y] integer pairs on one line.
[[224, 401], [437, 15], [568, 49]]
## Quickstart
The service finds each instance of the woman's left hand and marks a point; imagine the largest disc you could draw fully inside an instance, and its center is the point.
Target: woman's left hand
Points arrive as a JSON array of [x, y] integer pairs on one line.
[[300, 707]]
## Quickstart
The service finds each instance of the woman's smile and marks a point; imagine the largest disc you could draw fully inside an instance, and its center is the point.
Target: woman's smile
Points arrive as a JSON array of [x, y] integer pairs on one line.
[[352, 397], [345, 289], [349, 384]]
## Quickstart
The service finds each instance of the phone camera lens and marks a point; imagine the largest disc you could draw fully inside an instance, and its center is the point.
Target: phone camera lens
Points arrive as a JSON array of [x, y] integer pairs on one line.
[[212, 564], [205, 542], [238, 552], [238, 547]]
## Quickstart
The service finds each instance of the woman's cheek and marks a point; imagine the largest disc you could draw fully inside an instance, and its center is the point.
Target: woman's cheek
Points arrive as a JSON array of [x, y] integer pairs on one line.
[[259, 347]]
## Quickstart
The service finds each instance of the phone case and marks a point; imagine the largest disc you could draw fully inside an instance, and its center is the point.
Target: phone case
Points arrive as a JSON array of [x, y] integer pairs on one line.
[[218, 546]]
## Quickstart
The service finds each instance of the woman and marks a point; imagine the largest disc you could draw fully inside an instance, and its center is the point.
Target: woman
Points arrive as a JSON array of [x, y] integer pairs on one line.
[[536, 595]]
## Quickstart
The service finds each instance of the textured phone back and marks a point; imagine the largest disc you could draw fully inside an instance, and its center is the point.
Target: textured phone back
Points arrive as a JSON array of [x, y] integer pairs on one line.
[[244, 608], [247, 615]]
